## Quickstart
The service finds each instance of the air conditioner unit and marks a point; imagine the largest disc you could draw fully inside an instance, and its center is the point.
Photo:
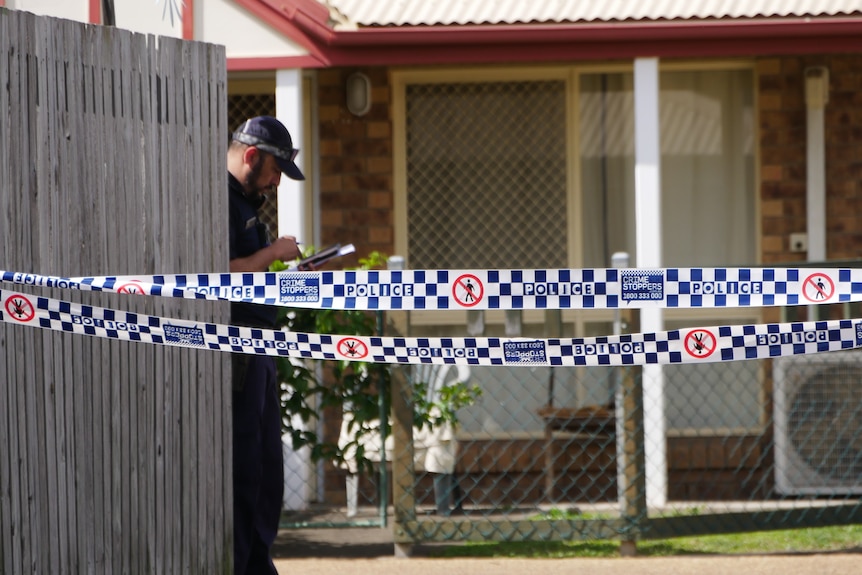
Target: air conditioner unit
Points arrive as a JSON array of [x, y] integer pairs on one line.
[[818, 423]]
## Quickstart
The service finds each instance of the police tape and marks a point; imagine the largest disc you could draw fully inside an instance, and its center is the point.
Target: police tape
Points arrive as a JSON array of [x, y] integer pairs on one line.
[[490, 289], [691, 345]]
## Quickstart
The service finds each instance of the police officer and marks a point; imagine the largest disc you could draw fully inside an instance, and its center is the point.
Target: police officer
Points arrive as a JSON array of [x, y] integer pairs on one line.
[[260, 151]]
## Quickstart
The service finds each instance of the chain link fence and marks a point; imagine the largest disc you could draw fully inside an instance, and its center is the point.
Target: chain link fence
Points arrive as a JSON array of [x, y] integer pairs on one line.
[[517, 467]]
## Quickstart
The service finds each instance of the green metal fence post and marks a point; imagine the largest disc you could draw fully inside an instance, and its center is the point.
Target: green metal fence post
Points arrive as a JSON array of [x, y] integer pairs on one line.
[[403, 496], [383, 411], [631, 465]]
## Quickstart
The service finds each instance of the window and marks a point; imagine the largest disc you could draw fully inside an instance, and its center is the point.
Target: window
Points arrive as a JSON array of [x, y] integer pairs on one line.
[[707, 167], [708, 211]]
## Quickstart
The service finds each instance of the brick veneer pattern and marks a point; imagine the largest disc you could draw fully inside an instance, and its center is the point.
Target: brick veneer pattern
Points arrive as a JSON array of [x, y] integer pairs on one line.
[[356, 165], [782, 138]]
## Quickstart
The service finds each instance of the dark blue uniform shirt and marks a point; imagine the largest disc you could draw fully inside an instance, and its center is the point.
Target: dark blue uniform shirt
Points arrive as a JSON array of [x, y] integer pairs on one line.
[[247, 235]]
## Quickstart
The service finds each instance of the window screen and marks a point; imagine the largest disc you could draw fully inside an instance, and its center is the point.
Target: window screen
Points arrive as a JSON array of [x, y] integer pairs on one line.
[[486, 175]]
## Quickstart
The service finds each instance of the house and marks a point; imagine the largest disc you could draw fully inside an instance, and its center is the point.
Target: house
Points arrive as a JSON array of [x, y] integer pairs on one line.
[[476, 134]]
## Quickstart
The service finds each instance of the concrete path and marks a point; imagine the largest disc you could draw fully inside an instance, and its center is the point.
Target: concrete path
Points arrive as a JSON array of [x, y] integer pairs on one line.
[[369, 551]]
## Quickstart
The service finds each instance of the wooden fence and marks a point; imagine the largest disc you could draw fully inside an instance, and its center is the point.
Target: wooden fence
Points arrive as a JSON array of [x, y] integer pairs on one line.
[[114, 456]]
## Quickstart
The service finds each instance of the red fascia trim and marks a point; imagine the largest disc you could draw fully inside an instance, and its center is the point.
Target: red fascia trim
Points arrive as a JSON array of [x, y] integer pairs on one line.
[[307, 22], [622, 49], [312, 11], [274, 63], [530, 42], [311, 17], [626, 32]]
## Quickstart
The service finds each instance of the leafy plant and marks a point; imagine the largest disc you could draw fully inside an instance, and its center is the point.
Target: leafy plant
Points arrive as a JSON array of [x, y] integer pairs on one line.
[[443, 409], [308, 387]]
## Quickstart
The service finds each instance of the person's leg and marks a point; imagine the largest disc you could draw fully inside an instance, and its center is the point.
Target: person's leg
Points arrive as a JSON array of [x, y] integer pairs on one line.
[[457, 495], [443, 493], [247, 462], [260, 562], [271, 498]]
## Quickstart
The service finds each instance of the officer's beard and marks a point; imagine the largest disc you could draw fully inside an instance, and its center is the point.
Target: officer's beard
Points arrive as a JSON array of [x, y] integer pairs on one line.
[[253, 191]]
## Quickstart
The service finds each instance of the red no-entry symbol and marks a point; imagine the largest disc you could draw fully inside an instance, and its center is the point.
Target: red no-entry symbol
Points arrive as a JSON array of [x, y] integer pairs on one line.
[[700, 343], [468, 290], [132, 288], [20, 308], [818, 288], [352, 348]]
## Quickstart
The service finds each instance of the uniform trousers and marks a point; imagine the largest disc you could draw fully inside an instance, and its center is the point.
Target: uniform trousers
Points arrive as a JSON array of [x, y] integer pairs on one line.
[[258, 467]]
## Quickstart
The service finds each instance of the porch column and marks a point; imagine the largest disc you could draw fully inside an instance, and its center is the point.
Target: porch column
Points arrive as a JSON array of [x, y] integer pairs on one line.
[[291, 197], [816, 98], [648, 241], [298, 467]]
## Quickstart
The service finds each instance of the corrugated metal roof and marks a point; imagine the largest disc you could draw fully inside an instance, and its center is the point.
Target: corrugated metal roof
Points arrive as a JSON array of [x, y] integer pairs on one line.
[[443, 12]]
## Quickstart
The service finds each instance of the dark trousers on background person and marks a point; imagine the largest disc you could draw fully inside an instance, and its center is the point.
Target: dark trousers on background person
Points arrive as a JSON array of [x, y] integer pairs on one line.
[[258, 465]]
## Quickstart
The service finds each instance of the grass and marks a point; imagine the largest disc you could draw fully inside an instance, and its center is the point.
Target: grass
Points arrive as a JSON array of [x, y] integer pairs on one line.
[[821, 539]]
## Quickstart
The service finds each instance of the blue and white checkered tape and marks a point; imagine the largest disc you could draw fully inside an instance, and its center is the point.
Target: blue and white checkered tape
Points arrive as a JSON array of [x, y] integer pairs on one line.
[[609, 288], [691, 345]]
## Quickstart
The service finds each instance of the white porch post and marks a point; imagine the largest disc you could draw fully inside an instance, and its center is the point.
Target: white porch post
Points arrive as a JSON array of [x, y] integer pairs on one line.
[[291, 199], [648, 241], [298, 467], [816, 98]]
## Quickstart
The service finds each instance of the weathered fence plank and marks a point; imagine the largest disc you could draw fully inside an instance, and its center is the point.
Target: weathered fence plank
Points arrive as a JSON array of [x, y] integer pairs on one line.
[[116, 455]]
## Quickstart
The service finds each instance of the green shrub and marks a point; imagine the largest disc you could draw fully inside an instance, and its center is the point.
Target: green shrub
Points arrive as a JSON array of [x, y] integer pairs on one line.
[[310, 386]]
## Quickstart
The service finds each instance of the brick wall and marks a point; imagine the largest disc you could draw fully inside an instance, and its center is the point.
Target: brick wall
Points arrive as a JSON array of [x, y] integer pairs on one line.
[[714, 468], [783, 154], [356, 165]]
